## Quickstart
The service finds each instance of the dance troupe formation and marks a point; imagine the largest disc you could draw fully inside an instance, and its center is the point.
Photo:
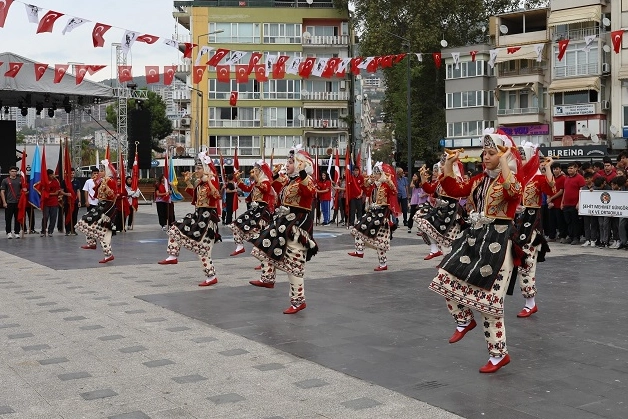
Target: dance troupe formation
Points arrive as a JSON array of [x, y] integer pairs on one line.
[[495, 245]]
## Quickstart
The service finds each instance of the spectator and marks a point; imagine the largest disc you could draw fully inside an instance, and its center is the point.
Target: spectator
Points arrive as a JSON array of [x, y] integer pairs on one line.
[[619, 184], [231, 194], [340, 201], [162, 200], [417, 198], [11, 190], [51, 205], [599, 183], [608, 170], [89, 189], [622, 162], [591, 227], [69, 227], [324, 196], [573, 182], [402, 194], [356, 192], [557, 222], [132, 193]]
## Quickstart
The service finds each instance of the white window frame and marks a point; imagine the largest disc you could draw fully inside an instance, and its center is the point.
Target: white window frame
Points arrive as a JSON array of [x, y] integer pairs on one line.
[[283, 30], [231, 33], [576, 61], [278, 117], [292, 92], [217, 121]]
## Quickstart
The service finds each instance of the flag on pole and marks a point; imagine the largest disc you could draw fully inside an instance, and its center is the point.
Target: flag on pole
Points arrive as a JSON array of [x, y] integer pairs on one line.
[[166, 172], [348, 178], [369, 161], [67, 176], [329, 168], [175, 196], [107, 154], [135, 179], [44, 182], [337, 167], [316, 166], [236, 167], [23, 202], [34, 197]]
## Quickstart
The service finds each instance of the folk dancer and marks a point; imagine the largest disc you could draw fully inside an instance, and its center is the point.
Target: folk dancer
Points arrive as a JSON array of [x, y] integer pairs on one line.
[[287, 243], [528, 230], [374, 229], [439, 224], [248, 225], [198, 231], [477, 272], [97, 223]]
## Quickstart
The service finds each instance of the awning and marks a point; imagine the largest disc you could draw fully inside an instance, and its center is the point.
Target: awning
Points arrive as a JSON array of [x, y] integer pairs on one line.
[[623, 73], [578, 14], [573, 85], [517, 86], [525, 52]]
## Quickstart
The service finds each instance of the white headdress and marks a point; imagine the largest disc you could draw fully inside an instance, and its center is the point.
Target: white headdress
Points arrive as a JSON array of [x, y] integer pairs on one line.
[[302, 159]]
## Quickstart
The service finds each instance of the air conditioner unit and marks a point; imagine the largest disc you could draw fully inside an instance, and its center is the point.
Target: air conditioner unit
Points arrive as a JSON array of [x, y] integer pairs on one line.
[[185, 122], [343, 84], [606, 105], [606, 68]]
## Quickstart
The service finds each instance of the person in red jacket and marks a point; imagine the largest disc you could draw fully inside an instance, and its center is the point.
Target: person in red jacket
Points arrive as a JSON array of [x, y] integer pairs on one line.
[[477, 272], [50, 205], [571, 195], [324, 197]]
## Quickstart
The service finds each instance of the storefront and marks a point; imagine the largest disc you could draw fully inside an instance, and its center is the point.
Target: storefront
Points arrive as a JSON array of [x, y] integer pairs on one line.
[[536, 134], [576, 153]]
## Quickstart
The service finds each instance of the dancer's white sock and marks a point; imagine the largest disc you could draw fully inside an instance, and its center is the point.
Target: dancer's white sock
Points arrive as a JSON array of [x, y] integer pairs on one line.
[[495, 360], [461, 327], [530, 303], [171, 257], [239, 247], [433, 248]]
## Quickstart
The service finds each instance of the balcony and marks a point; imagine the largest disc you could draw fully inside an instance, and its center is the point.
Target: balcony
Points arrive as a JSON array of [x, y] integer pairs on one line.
[[523, 38], [522, 76], [326, 96], [577, 70], [520, 116], [576, 34], [182, 13], [325, 124], [326, 40]]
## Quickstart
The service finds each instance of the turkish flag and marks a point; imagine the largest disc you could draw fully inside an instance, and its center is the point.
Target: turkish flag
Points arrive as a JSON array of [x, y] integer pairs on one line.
[[40, 70], [279, 71], [169, 71], [14, 68], [562, 47], [47, 22], [355, 62], [233, 99], [218, 56], [616, 37], [198, 71], [95, 68], [473, 53], [330, 68], [437, 59], [81, 70], [306, 66], [60, 70], [387, 61], [149, 39], [152, 74], [223, 73], [4, 10], [255, 57], [97, 34], [397, 58], [512, 50], [373, 64], [242, 73], [187, 53], [260, 73], [124, 73]]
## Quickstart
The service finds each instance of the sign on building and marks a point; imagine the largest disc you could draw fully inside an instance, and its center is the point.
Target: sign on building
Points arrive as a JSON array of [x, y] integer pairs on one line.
[[603, 203], [569, 110]]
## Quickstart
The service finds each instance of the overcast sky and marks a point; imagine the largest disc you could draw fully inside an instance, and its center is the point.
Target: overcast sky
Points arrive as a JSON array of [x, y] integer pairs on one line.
[[152, 17]]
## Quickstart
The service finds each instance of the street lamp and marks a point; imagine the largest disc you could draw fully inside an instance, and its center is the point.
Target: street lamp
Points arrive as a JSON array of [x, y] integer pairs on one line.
[[408, 101]]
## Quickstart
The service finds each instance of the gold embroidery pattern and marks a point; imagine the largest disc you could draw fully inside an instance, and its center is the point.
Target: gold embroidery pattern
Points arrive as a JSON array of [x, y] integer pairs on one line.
[[105, 193], [532, 194]]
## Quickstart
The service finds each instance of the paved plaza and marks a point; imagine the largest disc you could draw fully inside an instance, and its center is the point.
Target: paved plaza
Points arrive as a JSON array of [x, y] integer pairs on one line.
[[134, 339]]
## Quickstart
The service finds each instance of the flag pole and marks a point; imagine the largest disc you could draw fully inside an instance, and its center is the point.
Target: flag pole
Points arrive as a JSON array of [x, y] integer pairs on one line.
[[135, 210]]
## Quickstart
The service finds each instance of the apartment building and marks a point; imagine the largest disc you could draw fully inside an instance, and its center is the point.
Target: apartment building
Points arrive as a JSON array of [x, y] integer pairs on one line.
[[271, 116]]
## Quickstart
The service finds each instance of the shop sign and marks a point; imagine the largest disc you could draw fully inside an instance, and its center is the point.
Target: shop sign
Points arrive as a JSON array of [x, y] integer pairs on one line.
[[568, 110], [589, 151], [542, 129]]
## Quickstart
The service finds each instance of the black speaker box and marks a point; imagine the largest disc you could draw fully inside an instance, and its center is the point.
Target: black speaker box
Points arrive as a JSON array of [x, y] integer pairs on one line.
[[139, 130], [8, 139]]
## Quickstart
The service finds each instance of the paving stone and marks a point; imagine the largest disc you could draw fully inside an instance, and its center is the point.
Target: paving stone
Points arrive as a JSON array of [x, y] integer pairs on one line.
[[143, 280], [226, 398], [88, 292], [75, 287], [186, 379], [204, 339], [59, 310], [132, 349], [158, 363], [35, 297], [311, 383], [269, 367], [177, 329], [159, 285], [155, 320], [74, 376], [5, 410], [92, 327], [21, 336], [117, 304], [9, 287], [102, 298], [98, 394], [361, 403], [74, 318], [132, 415], [47, 303], [8, 325], [4, 316], [7, 282], [234, 352], [24, 292], [51, 361], [135, 311], [36, 347], [111, 337]]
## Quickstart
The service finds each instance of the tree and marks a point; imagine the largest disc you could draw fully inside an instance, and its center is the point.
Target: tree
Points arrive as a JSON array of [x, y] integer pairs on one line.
[[424, 23], [160, 127]]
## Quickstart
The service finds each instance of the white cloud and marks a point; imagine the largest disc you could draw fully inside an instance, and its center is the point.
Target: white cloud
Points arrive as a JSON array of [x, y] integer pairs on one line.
[[152, 17]]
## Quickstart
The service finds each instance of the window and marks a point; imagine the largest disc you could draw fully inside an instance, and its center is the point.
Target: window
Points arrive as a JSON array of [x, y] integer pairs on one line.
[[281, 117], [576, 61], [234, 33], [467, 69], [219, 90], [468, 128], [282, 89], [247, 145], [570, 128], [282, 33], [470, 99], [322, 30], [282, 141], [325, 114], [234, 117], [575, 98], [625, 109]]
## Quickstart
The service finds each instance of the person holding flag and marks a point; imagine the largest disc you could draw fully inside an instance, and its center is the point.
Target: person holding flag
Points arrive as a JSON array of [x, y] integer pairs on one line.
[[198, 231], [96, 224], [13, 193], [132, 189]]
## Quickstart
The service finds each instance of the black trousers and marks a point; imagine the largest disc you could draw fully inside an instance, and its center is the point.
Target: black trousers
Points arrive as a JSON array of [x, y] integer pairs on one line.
[[69, 227], [403, 203], [557, 222], [573, 222], [355, 210], [10, 214]]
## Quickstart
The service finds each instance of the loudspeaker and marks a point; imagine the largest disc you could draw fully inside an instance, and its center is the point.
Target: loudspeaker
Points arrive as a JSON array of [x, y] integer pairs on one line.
[[8, 140], [139, 130]]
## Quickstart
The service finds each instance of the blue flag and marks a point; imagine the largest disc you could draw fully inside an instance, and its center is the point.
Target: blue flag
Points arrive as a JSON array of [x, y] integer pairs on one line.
[[34, 194], [174, 182]]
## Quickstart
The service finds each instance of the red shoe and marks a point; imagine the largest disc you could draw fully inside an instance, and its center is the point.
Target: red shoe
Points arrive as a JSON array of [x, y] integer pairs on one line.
[[433, 255], [262, 284], [490, 368], [89, 246], [208, 283], [258, 268], [381, 268], [356, 254], [107, 259], [459, 335], [237, 252], [293, 309], [168, 262], [527, 312]]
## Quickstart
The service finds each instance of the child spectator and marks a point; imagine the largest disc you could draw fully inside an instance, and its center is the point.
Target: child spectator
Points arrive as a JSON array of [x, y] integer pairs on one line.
[[619, 184], [591, 225], [557, 222], [604, 222]]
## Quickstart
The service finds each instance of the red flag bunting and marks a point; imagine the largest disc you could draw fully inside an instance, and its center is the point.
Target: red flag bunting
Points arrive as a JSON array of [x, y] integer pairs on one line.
[[223, 73], [81, 70], [562, 47], [242, 74], [97, 34], [95, 68], [255, 57], [187, 53], [306, 66], [512, 50], [198, 72], [148, 39], [397, 58], [330, 68], [260, 73], [60, 70], [437, 59], [40, 70], [4, 10], [355, 62], [47, 21], [124, 73], [14, 68], [616, 37], [279, 71], [473, 54], [152, 74], [387, 61], [218, 56], [373, 64], [233, 98], [169, 71]]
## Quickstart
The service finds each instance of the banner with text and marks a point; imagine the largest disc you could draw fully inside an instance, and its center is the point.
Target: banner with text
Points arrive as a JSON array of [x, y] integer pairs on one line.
[[604, 203]]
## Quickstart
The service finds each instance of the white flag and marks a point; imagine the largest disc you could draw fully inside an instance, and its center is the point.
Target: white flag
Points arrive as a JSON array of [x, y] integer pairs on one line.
[[419, 56], [456, 57], [293, 67], [493, 57], [74, 22], [538, 48], [235, 57], [204, 50], [319, 67], [172, 43], [587, 42], [270, 60], [128, 39], [369, 161], [365, 63], [342, 67], [33, 13]]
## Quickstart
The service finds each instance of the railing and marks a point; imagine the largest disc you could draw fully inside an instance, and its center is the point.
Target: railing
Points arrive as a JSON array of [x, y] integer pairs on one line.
[[576, 34], [517, 111], [577, 70], [326, 96], [234, 124], [327, 40], [325, 123], [519, 72]]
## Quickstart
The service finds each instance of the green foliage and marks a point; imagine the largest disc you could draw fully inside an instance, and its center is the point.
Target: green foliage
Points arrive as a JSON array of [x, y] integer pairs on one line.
[[161, 126]]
